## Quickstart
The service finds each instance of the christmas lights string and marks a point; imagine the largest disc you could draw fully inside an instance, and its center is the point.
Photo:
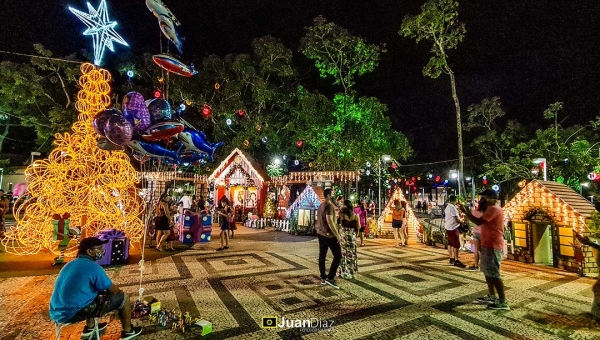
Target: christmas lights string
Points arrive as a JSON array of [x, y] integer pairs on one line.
[[96, 187], [41, 57]]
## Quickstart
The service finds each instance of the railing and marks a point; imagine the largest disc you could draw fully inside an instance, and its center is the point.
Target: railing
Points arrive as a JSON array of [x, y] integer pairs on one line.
[[261, 223]]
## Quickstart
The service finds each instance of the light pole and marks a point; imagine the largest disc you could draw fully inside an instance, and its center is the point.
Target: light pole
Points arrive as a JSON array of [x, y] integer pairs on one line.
[[542, 163], [385, 158], [456, 174], [34, 153], [585, 184]]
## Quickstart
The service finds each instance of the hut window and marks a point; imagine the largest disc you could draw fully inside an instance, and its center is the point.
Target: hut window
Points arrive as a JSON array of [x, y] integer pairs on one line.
[[565, 238], [303, 217], [520, 234]]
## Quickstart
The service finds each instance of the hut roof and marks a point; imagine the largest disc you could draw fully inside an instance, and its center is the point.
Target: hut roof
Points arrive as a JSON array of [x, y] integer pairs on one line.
[[311, 192], [251, 166]]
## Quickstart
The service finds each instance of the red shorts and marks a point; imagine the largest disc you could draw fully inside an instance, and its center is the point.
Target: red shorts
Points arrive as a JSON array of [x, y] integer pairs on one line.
[[453, 238]]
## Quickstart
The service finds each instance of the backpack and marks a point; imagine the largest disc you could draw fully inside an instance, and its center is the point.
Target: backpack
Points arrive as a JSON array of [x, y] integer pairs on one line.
[[321, 224]]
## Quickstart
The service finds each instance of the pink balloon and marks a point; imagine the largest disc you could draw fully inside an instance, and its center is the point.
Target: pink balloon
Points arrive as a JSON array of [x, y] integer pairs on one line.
[[20, 189]]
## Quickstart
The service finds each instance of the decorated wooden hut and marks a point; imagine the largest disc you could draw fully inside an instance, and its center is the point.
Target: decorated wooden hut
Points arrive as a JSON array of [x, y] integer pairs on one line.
[[303, 211], [242, 180], [542, 219], [385, 219]]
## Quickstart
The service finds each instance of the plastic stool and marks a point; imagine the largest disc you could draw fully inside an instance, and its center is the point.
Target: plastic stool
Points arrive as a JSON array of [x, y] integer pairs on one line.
[[58, 327]]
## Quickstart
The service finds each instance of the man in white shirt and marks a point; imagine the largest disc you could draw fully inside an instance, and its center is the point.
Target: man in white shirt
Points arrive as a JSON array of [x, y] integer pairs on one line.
[[186, 200], [453, 221]]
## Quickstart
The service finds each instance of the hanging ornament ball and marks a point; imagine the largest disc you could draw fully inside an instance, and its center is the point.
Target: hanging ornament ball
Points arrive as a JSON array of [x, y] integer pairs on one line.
[[130, 74], [217, 86], [310, 165], [355, 160], [300, 143], [296, 162], [246, 143], [394, 166], [265, 139], [241, 113], [188, 102], [157, 94], [228, 122], [206, 110], [161, 80], [258, 127]]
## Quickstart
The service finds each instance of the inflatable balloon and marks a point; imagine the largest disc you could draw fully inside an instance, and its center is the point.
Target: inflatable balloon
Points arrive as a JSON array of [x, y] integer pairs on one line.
[[159, 110], [162, 131], [135, 111], [196, 141], [118, 130], [158, 8], [152, 150], [173, 65], [101, 119], [168, 29]]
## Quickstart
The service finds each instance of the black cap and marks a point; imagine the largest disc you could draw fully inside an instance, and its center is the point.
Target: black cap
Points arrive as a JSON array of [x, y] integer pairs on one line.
[[489, 193], [89, 243]]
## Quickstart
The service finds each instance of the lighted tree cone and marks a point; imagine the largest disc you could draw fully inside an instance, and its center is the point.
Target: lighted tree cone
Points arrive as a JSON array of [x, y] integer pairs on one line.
[[96, 187]]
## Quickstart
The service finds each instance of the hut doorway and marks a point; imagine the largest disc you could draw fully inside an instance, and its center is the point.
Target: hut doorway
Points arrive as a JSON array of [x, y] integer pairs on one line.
[[542, 243]]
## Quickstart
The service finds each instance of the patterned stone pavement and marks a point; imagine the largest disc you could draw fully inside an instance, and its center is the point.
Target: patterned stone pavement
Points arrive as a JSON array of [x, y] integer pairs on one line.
[[400, 293]]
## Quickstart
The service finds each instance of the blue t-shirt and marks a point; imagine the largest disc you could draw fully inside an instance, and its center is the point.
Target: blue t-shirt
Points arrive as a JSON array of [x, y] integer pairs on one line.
[[77, 285]]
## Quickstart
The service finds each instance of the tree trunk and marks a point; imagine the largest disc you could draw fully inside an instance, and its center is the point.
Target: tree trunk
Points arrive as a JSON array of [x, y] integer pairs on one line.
[[3, 136], [596, 286], [459, 130]]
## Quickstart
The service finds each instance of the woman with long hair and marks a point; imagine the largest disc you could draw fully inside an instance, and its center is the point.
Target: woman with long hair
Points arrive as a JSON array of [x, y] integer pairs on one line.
[[162, 223], [404, 229], [361, 211], [349, 230], [398, 220], [225, 215]]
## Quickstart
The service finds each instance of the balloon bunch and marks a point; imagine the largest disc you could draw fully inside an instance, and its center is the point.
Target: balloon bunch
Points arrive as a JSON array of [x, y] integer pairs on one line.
[[152, 130]]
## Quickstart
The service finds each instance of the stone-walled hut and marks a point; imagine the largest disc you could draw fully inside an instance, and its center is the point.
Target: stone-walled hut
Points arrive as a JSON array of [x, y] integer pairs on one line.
[[542, 218]]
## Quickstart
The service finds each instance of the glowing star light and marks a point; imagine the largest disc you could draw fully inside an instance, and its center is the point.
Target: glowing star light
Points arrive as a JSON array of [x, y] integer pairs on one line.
[[100, 28]]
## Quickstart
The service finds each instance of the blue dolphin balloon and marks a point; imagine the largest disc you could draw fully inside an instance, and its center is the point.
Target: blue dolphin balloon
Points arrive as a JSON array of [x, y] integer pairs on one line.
[[196, 141], [153, 150]]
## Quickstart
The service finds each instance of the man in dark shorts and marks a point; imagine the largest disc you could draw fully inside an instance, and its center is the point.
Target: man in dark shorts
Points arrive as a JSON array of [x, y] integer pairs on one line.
[[329, 238], [83, 291], [453, 222], [491, 253]]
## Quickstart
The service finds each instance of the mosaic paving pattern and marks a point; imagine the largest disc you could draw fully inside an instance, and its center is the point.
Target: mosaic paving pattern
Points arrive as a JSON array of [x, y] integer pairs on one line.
[[399, 293]]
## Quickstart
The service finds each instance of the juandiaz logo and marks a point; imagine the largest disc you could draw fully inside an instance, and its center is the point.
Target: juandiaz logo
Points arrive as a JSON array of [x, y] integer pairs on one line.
[[306, 325]]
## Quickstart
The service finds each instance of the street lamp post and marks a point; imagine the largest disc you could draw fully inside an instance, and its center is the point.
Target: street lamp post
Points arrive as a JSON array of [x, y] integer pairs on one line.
[[385, 158], [542, 163], [585, 184], [456, 174]]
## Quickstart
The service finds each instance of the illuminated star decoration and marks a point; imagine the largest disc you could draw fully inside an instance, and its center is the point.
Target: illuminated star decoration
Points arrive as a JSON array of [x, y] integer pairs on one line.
[[100, 28]]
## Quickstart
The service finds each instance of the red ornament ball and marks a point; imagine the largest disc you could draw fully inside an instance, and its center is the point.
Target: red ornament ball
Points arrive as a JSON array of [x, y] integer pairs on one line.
[[206, 110], [394, 166], [241, 113], [300, 143]]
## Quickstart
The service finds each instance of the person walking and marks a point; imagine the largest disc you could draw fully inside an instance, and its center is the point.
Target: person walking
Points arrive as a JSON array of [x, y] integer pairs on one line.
[[162, 222], [492, 243], [350, 229], [453, 221], [397, 218], [225, 214], [329, 239], [404, 228], [361, 211]]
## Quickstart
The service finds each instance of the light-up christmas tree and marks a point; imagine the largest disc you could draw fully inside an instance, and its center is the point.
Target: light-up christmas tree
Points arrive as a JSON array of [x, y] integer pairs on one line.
[[269, 209], [96, 188]]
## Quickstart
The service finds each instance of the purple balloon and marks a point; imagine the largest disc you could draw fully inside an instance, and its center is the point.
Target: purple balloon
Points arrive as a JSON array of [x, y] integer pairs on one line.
[[135, 111], [160, 110], [102, 118], [118, 130]]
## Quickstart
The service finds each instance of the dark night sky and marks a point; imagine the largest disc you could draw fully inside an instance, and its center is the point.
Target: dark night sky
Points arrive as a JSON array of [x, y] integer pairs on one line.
[[529, 53]]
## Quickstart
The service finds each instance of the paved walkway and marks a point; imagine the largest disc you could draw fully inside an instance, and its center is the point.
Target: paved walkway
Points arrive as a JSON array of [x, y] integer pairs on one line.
[[400, 293]]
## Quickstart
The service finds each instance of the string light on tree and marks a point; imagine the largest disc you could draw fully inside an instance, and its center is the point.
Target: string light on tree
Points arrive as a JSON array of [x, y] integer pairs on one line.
[[95, 187]]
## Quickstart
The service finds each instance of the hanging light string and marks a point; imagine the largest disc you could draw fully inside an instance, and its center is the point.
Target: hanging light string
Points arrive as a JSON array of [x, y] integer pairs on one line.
[[42, 57]]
